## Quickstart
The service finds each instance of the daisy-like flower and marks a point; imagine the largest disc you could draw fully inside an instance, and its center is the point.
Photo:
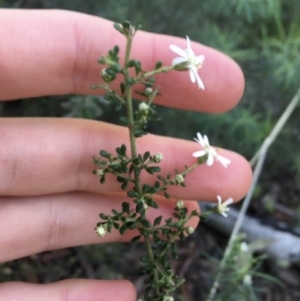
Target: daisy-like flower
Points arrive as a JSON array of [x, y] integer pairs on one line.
[[208, 150], [188, 60], [221, 208]]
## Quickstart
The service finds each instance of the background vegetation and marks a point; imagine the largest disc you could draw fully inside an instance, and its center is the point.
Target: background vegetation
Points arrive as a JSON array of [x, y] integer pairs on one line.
[[263, 36]]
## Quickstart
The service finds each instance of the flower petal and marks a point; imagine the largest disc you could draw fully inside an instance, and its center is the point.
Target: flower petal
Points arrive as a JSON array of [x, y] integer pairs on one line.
[[200, 59], [199, 82], [219, 199], [200, 138], [210, 160], [228, 202], [224, 161], [192, 76], [189, 50], [205, 139], [200, 153], [178, 60], [178, 51]]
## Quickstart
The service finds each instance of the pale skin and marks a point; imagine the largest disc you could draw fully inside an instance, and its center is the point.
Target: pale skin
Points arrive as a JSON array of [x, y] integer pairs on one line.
[[49, 197]]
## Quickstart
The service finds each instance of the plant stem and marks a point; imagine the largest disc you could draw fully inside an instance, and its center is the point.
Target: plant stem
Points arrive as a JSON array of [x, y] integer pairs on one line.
[[130, 117], [157, 71]]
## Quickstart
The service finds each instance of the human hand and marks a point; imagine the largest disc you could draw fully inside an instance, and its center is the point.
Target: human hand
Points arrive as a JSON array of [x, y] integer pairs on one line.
[[49, 197]]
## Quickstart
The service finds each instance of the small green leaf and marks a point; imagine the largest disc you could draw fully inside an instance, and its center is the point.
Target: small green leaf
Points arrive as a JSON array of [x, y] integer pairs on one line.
[[124, 185], [131, 225], [132, 194], [104, 154], [131, 168], [116, 225], [120, 179], [167, 196], [125, 207], [131, 63], [146, 156], [158, 65], [103, 216], [114, 211], [146, 223], [194, 213], [140, 207], [118, 27], [123, 150], [137, 161], [136, 238], [122, 88], [157, 221], [116, 50], [109, 226], [153, 169], [126, 24], [176, 215], [122, 229], [151, 203]]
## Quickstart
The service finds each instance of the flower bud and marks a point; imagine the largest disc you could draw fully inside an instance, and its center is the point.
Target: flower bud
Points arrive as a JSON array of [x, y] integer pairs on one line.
[[180, 204], [144, 108], [179, 179], [105, 76], [244, 247], [148, 91], [101, 230], [158, 157], [190, 230], [100, 172]]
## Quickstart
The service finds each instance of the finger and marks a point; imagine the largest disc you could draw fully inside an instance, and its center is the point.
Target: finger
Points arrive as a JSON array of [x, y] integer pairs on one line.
[[34, 224], [56, 52], [44, 156], [69, 290]]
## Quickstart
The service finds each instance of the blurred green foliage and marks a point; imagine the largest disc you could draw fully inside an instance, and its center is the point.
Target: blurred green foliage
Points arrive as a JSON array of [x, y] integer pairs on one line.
[[262, 35]]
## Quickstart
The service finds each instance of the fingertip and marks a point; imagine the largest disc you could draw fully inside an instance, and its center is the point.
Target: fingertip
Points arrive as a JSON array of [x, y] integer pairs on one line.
[[236, 177], [222, 77], [71, 290]]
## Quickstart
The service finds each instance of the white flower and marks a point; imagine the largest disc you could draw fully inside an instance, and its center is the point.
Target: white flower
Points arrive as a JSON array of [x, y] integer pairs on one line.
[[101, 230], [143, 107], [190, 230], [192, 62], [158, 157], [247, 281], [244, 247], [180, 204], [221, 208], [209, 151]]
